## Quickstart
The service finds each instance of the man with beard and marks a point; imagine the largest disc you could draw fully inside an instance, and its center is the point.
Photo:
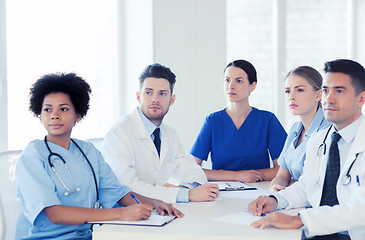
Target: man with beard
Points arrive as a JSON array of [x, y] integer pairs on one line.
[[331, 187], [146, 153]]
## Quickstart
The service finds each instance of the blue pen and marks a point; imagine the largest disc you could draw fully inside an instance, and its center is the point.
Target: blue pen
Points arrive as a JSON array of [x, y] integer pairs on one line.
[[357, 180], [135, 199]]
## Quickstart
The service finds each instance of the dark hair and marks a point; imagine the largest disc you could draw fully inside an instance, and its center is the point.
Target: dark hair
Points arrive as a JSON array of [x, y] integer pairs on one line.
[[245, 66], [351, 68], [313, 77], [69, 83], [157, 70]]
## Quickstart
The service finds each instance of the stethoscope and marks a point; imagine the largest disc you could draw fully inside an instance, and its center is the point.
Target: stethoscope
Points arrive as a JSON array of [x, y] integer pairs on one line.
[[347, 178], [75, 189]]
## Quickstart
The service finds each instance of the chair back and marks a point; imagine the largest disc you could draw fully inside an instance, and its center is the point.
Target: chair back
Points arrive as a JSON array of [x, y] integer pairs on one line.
[[9, 201], [96, 141]]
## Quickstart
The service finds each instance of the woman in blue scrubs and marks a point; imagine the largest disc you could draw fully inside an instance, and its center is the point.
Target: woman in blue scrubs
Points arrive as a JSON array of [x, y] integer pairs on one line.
[[303, 93], [63, 182], [240, 138]]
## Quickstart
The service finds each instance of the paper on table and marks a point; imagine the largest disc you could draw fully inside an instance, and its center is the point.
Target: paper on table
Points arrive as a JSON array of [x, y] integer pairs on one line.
[[232, 186], [251, 195], [241, 218], [154, 220]]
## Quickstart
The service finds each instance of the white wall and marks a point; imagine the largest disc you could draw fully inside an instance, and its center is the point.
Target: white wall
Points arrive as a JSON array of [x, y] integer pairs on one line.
[[3, 81], [359, 46], [134, 50], [189, 37], [359, 26]]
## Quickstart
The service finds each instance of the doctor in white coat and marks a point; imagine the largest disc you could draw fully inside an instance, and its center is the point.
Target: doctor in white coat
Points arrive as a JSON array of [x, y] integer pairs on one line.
[[343, 97], [146, 160]]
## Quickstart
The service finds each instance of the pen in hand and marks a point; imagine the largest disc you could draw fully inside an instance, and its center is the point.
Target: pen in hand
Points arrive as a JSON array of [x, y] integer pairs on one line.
[[135, 199]]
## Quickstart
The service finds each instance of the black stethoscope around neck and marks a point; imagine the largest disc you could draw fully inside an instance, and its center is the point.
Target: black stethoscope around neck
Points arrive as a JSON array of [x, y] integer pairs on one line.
[[75, 189], [347, 178]]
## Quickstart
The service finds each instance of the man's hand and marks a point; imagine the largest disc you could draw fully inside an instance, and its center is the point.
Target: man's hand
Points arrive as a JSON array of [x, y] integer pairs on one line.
[[204, 193], [262, 204], [279, 220], [169, 185]]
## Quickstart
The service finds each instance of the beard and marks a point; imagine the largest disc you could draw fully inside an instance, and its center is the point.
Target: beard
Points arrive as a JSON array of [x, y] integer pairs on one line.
[[155, 116]]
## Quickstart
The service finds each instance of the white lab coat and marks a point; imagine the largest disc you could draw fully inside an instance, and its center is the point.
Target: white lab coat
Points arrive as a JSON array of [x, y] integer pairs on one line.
[[132, 155], [349, 215]]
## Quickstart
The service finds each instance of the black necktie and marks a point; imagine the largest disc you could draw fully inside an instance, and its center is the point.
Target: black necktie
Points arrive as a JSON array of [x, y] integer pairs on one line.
[[157, 140], [329, 193]]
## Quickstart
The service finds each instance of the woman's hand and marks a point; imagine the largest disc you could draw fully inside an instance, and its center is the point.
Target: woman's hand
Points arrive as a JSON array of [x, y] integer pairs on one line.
[[163, 209], [248, 176], [276, 188], [134, 212]]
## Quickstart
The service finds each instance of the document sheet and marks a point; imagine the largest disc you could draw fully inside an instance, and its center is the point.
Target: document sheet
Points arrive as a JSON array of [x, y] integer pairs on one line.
[[154, 220]]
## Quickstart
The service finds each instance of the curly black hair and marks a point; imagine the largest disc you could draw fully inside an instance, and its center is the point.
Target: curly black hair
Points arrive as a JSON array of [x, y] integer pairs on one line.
[[69, 83]]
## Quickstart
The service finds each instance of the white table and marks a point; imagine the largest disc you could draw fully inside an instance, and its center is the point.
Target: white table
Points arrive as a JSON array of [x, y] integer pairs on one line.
[[198, 223]]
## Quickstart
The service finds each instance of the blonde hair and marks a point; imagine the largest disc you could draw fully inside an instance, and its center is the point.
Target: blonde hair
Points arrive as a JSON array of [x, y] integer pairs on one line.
[[313, 77]]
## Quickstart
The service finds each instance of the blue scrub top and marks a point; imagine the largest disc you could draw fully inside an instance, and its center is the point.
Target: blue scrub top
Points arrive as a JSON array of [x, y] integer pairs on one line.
[[39, 187], [243, 149], [292, 158]]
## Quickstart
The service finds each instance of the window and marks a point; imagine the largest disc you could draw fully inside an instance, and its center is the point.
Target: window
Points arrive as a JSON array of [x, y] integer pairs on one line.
[[315, 33], [60, 36]]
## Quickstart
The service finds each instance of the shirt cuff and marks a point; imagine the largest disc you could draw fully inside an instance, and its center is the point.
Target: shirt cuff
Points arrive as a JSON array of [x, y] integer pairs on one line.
[[304, 228], [190, 185], [282, 202], [183, 196]]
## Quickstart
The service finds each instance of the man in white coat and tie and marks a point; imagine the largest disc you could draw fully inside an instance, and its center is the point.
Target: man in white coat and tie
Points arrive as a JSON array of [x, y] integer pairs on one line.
[[145, 153], [332, 187]]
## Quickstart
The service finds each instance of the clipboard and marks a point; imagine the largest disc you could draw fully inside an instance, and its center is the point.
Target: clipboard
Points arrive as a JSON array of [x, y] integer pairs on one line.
[[233, 186], [155, 220]]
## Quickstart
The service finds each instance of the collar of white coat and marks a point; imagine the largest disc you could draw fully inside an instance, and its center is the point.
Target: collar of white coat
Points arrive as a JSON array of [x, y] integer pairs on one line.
[[141, 128], [358, 145], [353, 131]]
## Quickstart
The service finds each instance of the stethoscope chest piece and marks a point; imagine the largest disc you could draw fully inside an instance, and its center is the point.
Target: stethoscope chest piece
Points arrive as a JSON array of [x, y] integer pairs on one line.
[[346, 180]]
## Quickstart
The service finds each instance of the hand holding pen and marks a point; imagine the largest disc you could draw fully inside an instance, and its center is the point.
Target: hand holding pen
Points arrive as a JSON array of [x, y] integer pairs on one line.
[[135, 199]]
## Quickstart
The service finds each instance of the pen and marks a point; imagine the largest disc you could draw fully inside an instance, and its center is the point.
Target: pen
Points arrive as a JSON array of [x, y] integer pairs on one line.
[[357, 180], [135, 199], [262, 214]]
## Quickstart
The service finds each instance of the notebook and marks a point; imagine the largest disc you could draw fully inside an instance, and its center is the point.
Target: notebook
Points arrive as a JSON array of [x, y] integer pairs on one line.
[[233, 186], [155, 220]]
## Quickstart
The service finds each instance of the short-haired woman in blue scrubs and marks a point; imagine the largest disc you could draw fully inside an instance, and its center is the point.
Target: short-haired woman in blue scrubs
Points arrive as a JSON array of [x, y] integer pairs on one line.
[[63, 182], [303, 94], [240, 138]]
